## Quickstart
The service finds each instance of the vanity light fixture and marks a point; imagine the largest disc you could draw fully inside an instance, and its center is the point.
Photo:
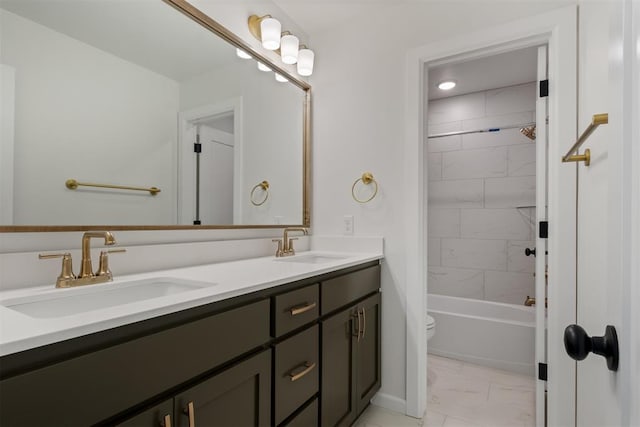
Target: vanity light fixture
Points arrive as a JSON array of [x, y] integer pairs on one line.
[[447, 85], [263, 67], [305, 61], [281, 78], [267, 30], [242, 54], [287, 45]]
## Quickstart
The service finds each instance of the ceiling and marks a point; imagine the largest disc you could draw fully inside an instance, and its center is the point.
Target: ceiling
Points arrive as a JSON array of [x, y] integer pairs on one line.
[[505, 69], [148, 33]]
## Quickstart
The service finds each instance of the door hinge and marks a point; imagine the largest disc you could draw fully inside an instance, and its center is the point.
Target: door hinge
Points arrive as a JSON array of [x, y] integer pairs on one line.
[[197, 147], [544, 88], [543, 230], [542, 371]]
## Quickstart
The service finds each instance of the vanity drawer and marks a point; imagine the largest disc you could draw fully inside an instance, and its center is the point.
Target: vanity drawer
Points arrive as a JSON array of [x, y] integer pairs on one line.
[[100, 384], [308, 417], [343, 290], [296, 371], [296, 308]]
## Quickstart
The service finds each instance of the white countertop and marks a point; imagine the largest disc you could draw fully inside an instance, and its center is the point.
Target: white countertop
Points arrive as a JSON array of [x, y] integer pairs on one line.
[[19, 332]]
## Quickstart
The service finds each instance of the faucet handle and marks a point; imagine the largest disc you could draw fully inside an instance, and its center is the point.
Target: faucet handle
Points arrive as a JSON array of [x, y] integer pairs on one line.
[[291, 250], [279, 251], [66, 274], [103, 267]]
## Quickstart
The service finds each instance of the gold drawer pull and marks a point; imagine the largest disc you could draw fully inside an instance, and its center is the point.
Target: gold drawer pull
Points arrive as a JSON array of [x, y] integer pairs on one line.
[[364, 322], [166, 421], [191, 413], [302, 308], [358, 327], [308, 368]]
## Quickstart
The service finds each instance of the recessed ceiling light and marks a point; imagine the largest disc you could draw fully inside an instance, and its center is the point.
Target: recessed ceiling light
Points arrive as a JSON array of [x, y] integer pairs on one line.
[[446, 85]]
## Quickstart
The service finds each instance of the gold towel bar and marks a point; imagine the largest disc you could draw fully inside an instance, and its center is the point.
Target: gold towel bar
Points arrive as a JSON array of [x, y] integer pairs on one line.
[[72, 184], [597, 120]]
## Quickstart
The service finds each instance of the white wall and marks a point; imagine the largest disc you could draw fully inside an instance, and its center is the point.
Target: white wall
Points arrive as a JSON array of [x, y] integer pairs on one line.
[[268, 108], [75, 120], [359, 124], [478, 184]]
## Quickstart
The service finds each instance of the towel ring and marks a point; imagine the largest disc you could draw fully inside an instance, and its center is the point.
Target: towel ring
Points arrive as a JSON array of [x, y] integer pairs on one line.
[[366, 178], [265, 187]]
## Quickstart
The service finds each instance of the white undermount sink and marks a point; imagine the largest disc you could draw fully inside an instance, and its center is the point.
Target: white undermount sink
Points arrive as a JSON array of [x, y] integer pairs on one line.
[[65, 302], [313, 258]]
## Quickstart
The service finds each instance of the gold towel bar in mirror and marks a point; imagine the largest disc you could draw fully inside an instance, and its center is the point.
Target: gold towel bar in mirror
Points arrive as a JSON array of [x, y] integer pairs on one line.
[[596, 120], [265, 188], [72, 184], [366, 178]]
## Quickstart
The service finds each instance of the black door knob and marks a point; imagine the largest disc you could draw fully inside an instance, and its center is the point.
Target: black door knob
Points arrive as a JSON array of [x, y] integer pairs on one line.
[[529, 252], [578, 344]]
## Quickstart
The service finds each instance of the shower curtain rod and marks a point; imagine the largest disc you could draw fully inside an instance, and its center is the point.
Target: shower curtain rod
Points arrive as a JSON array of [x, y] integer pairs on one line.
[[465, 132]]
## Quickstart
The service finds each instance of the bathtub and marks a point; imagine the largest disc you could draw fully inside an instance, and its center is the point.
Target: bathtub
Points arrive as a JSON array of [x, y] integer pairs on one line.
[[487, 333]]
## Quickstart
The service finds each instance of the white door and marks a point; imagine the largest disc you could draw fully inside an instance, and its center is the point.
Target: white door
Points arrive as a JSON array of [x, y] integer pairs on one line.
[[541, 243], [603, 215]]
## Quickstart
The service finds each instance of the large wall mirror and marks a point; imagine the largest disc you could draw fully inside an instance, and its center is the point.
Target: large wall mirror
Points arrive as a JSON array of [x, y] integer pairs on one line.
[[118, 93]]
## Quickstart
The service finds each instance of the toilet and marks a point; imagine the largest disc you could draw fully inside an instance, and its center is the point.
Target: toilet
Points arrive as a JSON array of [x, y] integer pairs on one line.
[[431, 327]]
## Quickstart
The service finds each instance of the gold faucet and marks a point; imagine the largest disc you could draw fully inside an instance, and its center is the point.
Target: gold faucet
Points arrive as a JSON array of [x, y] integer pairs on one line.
[[285, 246], [67, 279], [86, 269]]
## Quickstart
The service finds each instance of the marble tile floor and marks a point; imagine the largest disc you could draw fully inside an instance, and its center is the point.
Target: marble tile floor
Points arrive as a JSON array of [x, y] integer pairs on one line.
[[465, 395]]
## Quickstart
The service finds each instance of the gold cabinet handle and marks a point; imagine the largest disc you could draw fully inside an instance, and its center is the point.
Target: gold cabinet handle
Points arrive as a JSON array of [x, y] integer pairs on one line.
[[302, 308], [166, 421], [308, 368], [356, 332], [191, 413], [364, 322], [359, 327]]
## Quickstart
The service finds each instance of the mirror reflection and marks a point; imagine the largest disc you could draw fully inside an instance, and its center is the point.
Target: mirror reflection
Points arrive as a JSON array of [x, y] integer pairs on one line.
[[136, 94]]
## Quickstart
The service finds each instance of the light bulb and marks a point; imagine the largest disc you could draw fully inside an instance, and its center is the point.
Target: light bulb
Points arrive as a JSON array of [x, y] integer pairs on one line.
[[305, 62], [289, 49], [270, 29], [242, 54]]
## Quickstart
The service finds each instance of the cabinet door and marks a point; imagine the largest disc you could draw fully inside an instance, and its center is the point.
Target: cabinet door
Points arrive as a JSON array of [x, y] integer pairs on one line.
[[338, 401], [238, 396], [367, 363], [159, 416]]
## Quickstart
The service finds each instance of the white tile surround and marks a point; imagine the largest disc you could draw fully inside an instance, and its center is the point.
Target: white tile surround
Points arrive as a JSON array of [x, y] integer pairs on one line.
[[478, 184], [465, 395]]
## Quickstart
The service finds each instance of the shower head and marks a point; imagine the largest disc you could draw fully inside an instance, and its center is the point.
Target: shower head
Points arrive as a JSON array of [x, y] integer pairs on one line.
[[529, 132]]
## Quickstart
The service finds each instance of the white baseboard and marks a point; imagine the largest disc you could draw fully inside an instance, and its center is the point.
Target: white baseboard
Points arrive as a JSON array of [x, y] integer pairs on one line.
[[390, 402]]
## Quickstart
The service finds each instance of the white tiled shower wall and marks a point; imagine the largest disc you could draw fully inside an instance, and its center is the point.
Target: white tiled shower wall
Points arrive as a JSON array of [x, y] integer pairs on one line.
[[478, 184]]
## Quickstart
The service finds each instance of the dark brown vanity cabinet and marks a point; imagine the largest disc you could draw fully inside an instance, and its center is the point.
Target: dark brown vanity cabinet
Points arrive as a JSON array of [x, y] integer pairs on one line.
[[240, 395], [299, 354], [350, 347]]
